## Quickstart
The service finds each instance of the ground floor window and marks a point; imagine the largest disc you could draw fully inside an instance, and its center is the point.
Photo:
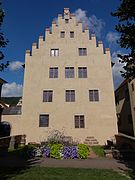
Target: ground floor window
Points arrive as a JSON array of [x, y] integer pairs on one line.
[[44, 120], [79, 121]]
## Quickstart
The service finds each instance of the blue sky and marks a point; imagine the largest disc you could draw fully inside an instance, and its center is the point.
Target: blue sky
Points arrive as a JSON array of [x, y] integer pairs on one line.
[[26, 20]]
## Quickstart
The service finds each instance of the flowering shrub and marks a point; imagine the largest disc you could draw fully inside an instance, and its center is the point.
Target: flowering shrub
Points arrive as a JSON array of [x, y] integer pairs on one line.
[[70, 152], [46, 151], [83, 151], [55, 150]]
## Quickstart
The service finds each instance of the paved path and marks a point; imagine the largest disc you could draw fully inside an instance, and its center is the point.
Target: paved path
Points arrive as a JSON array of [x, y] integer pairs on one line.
[[98, 163]]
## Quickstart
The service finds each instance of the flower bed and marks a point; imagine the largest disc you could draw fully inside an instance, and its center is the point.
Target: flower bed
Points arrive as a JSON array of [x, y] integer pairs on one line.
[[60, 151]]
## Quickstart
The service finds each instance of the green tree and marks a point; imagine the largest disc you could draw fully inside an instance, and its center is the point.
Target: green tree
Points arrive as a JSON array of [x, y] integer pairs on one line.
[[126, 27], [3, 40]]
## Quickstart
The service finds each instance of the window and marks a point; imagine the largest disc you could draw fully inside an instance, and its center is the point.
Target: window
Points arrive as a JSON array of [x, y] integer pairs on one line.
[[82, 72], [44, 120], [70, 95], [54, 52], [66, 21], [93, 95], [47, 96], [79, 121], [53, 72], [82, 51], [71, 34], [69, 72], [62, 34], [132, 85]]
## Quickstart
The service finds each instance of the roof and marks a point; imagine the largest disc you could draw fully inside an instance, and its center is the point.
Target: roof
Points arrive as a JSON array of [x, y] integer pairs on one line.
[[122, 84], [2, 81], [14, 110]]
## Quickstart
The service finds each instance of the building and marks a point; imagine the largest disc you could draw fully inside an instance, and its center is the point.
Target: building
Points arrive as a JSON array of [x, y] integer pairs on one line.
[[125, 107], [68, 86]]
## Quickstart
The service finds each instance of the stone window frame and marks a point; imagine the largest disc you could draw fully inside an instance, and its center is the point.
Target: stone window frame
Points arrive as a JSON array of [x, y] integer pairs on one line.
[[70, 95], [44, 120], [47, 95], [72, 34], [82, 72], [54, 52], [82, 51], [79, 121], [94, 95], [69, 72], [53, 72], [62, 34]]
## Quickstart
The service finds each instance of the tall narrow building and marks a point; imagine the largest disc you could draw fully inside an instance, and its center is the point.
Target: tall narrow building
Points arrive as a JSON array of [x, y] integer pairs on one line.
[[68, 85]]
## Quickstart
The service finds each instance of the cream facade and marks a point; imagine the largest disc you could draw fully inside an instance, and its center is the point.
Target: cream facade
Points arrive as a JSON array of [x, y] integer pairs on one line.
[[71, 71]]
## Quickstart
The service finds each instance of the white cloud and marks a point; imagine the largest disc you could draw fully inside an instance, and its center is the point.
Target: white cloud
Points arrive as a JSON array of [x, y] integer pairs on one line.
[[12, 90], [116, 69], [95, 25], [112, 37], [15, 65]]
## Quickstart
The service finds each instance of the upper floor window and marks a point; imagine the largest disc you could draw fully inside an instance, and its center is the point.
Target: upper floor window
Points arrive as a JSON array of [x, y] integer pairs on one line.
[[47, 96], [62, 34], [82, 51], [54, 52], [79, 121], [44, 120], [70, 95], [53, 72], [71, 34], [93, 95], [82, 72], [69, 72]]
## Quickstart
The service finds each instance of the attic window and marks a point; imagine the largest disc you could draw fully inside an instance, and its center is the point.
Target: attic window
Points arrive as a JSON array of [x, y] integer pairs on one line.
[[66, 21]]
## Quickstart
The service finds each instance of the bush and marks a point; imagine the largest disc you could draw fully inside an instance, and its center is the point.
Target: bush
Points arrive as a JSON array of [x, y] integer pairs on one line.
[[55, 150], [70, 152], [99, 150], [83, 151]]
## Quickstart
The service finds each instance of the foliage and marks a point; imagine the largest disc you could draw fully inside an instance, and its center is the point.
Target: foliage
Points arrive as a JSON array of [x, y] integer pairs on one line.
[[126, 27], [35, 173], [83, 151], [99, 150], [55, 150], [3, 40]]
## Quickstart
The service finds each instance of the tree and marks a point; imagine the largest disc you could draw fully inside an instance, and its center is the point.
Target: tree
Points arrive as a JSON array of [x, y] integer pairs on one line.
[[3, 40], [126, 27]]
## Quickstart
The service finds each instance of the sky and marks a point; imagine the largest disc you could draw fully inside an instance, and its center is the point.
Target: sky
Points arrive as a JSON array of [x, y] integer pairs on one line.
[[26, 20]]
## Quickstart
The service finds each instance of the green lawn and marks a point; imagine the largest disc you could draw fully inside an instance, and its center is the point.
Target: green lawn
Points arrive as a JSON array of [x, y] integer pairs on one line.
[[43, 173]]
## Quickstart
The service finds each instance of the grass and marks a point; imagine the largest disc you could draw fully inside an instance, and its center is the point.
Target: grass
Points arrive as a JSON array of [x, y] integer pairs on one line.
[[40, 173], [99, 150]]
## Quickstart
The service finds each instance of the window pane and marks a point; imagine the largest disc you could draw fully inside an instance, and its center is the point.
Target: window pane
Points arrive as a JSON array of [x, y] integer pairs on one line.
[[47, 96], [96, 95], [62, 34], [53, 73], [71, 34], [84, 72], [69, 72], [76, 121], [54, 52], [44, 120], [91, 95], [70, 95], [82, 51]]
